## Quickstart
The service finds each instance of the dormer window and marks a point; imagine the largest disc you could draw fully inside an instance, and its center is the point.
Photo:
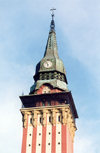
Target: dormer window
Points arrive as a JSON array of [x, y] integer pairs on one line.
[[46, 90]]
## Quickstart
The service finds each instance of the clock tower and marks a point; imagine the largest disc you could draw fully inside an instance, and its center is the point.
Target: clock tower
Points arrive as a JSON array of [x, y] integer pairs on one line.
[[49, 111]]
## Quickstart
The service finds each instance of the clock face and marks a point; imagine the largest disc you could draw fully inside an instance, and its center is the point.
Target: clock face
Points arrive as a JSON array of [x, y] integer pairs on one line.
[[47, 64]]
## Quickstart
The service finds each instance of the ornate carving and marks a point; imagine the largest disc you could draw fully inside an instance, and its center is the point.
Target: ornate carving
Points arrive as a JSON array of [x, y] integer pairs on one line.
[[51, 75], [34, 118], [24, 119], [71, 124], [66, 116], [54, 117], [44, 117]]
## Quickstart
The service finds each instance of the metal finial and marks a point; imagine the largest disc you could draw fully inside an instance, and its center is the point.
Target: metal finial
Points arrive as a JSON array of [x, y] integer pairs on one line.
[[52, 12], [52, 26]]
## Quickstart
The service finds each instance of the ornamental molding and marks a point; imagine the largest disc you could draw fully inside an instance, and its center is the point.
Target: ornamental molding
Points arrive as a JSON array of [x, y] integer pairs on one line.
[[24, 119], [63, 110]]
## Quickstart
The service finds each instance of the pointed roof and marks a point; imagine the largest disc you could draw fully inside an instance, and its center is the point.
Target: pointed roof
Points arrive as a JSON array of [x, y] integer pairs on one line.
[[51, 47], [51, 68], [51, 53]]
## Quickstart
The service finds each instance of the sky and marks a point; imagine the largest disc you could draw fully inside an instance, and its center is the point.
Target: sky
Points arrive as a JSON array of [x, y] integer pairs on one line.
[[24, 28]]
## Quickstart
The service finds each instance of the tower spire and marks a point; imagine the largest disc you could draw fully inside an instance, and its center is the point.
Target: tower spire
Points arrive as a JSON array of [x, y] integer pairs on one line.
[[51, 68], [52, 26], [49, 111], [51, 46]]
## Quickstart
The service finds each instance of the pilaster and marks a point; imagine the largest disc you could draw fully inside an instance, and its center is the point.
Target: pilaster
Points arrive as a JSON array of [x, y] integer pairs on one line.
[[65, 114]]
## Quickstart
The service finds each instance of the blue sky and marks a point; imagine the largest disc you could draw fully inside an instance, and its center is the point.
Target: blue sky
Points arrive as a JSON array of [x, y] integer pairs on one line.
[[24, 27]]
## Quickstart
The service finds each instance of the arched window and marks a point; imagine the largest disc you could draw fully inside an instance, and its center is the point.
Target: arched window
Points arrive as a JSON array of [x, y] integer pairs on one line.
[[43, 103], [59, 118], [50, 119], [49, 103], [30, 120], [40, 119]]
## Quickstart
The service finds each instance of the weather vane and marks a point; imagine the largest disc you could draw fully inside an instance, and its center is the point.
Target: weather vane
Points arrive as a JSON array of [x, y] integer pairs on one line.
[[52, 12]]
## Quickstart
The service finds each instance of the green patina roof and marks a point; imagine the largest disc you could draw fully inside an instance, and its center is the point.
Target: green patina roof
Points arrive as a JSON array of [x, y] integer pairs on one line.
[[51, 54], [54, 83], [51, 47]]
